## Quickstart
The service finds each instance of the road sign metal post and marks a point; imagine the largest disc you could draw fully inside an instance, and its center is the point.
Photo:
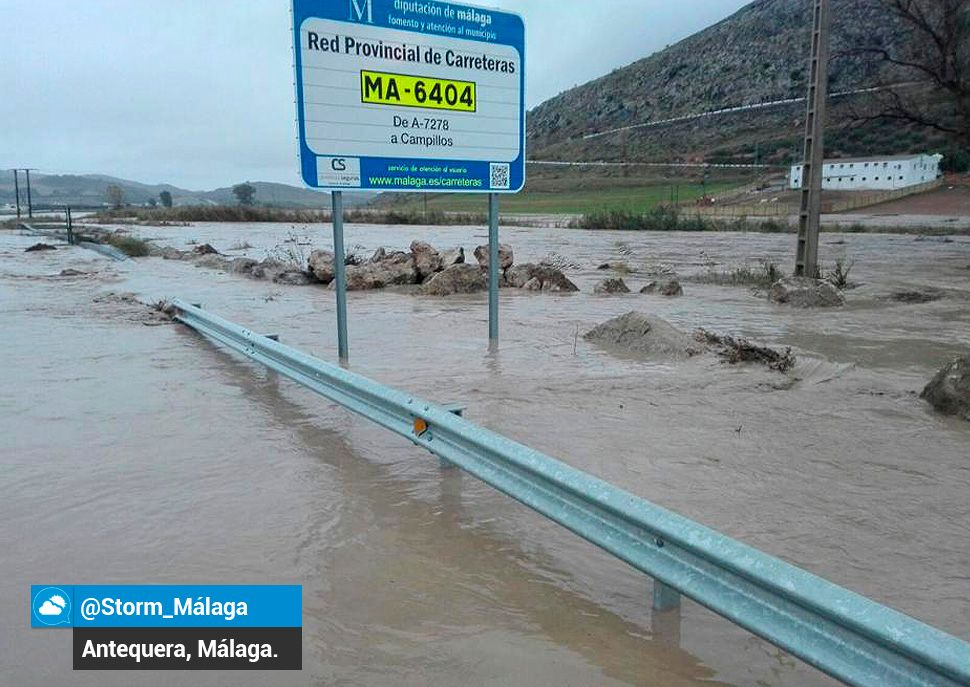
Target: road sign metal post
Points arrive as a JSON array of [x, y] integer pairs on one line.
[[810, 216], [340, 274], [493, 270]]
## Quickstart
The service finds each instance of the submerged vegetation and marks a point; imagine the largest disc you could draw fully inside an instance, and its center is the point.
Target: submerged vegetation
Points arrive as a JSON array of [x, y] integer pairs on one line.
[[664, 218], [160, 216], [763, 276], [129, 245]]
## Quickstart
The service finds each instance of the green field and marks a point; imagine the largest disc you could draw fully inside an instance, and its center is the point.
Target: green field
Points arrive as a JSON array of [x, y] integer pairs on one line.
[[638, 199]]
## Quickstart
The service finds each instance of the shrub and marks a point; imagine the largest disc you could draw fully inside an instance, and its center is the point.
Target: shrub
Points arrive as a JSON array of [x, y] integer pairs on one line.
[[129, 245], [838, 276], [762, 277]]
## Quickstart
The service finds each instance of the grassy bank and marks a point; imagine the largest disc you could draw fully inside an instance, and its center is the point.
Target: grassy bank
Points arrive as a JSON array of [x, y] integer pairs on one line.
[[547, 199], [241, 214], [669, 219]]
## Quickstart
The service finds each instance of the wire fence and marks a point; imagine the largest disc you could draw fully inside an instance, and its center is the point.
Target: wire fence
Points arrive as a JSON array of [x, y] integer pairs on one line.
[[768, 207]]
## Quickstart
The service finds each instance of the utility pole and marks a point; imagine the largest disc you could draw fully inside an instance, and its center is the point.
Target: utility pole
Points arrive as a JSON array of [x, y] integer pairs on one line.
[[809, 219], [16, 190], [30, 205]]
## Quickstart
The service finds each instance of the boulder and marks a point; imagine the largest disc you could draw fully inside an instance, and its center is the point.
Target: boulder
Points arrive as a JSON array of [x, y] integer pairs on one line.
[[39, 247], [205, 249], [379, 254], [321, 265], [550, 278], [396, 269], [293, 278], [804, 292], [461, 278], [505, 256], [427, 260], [611, 285], [455, 256], [949, 391], [664, 287], [518, 276], [534, 284], [242, 265], [645, 335], [269, 268]]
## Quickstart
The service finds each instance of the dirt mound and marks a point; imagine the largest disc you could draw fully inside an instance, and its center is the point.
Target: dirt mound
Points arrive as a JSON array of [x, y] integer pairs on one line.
[[644, 335]]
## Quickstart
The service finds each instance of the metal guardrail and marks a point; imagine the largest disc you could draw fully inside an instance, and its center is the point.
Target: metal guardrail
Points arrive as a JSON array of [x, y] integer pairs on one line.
[[839, 632], [109, 251]]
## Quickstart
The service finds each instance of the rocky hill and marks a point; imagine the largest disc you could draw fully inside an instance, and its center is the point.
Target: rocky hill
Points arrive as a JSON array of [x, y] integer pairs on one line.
[[759, 54]]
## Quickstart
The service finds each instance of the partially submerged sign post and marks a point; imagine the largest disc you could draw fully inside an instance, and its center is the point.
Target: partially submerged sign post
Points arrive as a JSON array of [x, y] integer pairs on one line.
[[409, 95]]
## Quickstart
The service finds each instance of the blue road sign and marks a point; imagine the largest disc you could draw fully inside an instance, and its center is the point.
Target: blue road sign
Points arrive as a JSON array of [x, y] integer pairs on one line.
[[409, 95]]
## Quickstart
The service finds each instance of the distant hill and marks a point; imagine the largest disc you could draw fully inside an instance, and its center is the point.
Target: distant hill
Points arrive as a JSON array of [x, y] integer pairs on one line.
[[89, 190], [759, 54]]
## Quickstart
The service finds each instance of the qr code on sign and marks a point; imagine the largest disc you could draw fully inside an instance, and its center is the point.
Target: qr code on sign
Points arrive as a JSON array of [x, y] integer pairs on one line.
[[499, 172]]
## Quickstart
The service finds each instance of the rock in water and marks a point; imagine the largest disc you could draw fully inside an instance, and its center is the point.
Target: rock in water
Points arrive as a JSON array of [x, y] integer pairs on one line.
[[205, 249], [645, 335], [379, 254], [949, 391], [39, 247], [549, 278], [611, 285], [396, 269], [321, 265], [452, 257], [803, 292], [293, 278], [427, 260], [505, 256], [460, 278], [665, 287], [268, 269], [242, 265]]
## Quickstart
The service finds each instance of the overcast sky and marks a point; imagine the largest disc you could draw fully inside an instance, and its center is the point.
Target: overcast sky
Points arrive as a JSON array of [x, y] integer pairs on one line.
[[199, 93]]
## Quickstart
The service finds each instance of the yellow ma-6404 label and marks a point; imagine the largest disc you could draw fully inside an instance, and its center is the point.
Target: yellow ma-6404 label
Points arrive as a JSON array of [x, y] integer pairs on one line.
[[382, 88]]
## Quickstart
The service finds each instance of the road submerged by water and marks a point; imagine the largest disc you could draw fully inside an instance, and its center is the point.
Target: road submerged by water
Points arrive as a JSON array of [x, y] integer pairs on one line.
[[143, 454]]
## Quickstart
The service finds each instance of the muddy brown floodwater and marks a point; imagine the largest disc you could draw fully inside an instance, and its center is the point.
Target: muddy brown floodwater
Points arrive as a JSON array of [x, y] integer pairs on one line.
[[143, 454]]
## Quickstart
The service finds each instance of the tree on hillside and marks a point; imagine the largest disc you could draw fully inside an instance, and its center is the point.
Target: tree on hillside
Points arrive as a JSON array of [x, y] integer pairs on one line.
[[152, 202], [245, 193], [116, 197], [926, 72], [166, 199]]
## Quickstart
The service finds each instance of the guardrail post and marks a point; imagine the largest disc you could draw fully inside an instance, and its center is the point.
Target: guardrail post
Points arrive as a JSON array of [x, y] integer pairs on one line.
[[665, 598]]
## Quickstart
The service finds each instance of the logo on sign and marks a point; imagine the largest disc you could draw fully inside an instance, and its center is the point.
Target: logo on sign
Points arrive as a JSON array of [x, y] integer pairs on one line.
[[338, 171], [358, 8]]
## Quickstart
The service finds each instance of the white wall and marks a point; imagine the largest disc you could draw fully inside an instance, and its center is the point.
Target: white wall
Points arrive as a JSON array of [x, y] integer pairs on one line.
[[875, 174]]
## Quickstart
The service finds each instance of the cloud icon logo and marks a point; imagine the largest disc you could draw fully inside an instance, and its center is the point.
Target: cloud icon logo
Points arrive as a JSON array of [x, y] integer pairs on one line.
[[52, 607]]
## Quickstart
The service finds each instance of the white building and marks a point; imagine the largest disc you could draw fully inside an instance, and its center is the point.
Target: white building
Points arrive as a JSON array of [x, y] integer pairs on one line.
[[874, 173]]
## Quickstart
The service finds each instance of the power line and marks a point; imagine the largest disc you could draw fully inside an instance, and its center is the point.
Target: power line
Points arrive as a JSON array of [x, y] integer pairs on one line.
[[695, 165], [741, 108]]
